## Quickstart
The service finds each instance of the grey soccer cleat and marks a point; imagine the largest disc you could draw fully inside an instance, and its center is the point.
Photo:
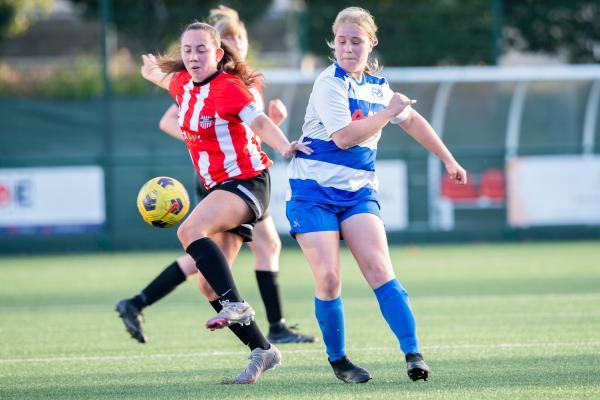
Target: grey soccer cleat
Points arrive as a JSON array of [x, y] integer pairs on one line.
[[132, 318], [233, 312], [260, 361], [416, 367]]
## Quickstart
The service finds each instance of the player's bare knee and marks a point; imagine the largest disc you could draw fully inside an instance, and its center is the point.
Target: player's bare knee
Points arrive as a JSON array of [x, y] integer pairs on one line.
[[330, 284], [275, 245], [182, 233], [268, 248], [187, 233], [378, 274]]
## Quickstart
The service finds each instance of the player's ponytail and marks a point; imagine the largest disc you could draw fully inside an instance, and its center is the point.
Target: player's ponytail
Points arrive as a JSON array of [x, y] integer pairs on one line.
[[232, 63]]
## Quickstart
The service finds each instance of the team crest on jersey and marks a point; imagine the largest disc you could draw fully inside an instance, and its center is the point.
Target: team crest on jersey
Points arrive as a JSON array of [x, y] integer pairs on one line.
[[206, 121], [377, 92]]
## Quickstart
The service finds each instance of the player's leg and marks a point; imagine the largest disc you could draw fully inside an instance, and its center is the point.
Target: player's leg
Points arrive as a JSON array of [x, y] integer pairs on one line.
[[365, 236], [130, 310], [263, 356], [266, 248], [230, 243], [207, 219], [322, 252], [316, 229]]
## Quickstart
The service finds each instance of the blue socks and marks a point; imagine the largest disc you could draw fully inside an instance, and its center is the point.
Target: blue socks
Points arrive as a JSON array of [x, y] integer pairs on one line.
[[330, 315], [393, 302], [394, 305]]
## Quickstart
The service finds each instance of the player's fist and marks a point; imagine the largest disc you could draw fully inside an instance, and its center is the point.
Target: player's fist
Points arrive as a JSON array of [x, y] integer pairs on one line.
[[277, 111], [456, 172], [398, 103]]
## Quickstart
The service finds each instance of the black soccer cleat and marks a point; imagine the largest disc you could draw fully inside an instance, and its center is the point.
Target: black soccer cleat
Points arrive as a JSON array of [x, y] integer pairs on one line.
[[347, 372], [285, 334], [132, 318], [416, 367]]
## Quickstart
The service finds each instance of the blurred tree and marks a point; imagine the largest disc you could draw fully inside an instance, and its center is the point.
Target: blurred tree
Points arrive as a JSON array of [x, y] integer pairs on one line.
[[554, 26], [459, 32], [17, 15], [154, 24], [414, 33]]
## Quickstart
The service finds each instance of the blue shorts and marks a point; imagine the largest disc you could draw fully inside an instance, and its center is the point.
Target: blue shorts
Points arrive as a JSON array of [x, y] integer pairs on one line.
[[309, 216]]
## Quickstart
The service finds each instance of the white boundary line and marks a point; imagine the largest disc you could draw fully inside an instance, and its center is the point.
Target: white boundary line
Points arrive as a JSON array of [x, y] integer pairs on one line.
[[159, 356]]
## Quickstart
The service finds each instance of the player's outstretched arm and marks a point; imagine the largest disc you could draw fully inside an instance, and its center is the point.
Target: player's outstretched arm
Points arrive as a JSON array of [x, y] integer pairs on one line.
[[274, 137], [152, 72], [418, 127], [169, 122]]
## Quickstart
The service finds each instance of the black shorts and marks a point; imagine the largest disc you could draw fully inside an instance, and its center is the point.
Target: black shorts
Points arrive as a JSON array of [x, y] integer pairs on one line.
[[256, 192]]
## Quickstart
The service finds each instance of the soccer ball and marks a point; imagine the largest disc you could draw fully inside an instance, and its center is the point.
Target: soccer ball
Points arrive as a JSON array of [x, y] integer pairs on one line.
[[163, 202]]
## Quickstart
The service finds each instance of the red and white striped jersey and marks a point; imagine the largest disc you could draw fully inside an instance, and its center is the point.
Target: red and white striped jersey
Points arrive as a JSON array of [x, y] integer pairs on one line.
[[214, 118]]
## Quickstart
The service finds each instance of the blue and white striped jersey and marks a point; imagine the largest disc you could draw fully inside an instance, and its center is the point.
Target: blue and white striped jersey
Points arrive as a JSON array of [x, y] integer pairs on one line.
[[331, 175]]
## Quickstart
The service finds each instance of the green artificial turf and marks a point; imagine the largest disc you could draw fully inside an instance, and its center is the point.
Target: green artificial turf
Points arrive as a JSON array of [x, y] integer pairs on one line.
[[505, 321]]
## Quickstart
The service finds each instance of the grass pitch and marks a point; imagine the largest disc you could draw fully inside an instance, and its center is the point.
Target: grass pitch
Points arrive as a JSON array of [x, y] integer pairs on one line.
[[518, 321]]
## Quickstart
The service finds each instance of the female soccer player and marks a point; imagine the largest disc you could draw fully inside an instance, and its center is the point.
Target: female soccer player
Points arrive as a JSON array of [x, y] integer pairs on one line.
[[334, 189], [218, 119], [265, 244]]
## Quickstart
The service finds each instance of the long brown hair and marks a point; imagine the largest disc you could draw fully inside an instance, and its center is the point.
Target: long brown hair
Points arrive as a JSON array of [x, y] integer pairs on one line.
[[231, 62]]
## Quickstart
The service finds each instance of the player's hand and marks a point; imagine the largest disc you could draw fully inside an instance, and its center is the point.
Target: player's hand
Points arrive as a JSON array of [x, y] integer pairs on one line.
[[456, 172], [295, 146], [150, 69], [398, 103], [277, 111]]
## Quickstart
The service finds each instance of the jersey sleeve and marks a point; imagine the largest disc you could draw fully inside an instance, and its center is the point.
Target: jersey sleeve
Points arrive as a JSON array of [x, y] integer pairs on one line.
[[239, 102], [176, 86], [387, 96], [258, 98], [330, 101]]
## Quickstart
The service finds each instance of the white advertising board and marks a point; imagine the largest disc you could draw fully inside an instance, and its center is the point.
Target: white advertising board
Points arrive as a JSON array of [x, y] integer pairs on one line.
[[51, 199], [392, 193], [553, 190]]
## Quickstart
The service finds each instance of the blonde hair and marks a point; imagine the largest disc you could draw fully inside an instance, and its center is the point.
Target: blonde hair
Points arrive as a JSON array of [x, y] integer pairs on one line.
[[366, 23], [226, 21], [231, 62]]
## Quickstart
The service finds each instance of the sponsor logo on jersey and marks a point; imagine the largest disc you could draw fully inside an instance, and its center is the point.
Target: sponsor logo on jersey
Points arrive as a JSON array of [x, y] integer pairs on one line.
[[206, 121]]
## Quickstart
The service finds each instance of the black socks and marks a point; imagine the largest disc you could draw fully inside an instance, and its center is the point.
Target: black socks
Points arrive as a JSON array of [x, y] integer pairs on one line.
[[162, 285], [271, 296], [211, 263]]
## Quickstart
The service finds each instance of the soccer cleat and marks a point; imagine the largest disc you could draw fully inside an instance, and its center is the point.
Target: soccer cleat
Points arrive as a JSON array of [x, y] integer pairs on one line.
[[260, 361], [233, 312], [347, 372], [133, 319], [285, 334], [416, 367]]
